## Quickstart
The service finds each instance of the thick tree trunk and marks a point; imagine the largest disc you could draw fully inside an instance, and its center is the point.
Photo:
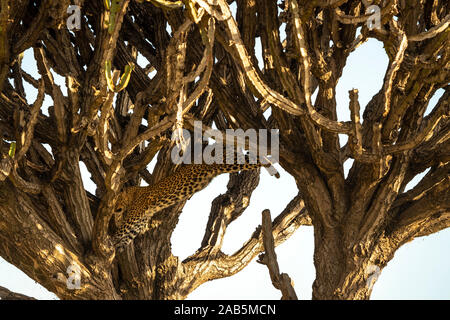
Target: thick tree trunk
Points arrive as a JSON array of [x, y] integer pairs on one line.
[[342, 272], [28, 242]]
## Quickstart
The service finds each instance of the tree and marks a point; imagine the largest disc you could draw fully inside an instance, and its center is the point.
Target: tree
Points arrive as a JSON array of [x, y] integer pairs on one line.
[[206, 68]]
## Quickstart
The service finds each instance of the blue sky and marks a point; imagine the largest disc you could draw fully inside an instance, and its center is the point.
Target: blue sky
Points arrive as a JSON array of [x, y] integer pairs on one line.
[[419, 270]]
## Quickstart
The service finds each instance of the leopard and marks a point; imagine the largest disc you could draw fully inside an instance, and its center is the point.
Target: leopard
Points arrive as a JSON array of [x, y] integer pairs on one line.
[[136, 205]]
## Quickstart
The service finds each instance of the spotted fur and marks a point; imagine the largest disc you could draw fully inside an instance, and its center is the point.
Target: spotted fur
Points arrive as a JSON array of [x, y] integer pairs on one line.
[[136, 205]]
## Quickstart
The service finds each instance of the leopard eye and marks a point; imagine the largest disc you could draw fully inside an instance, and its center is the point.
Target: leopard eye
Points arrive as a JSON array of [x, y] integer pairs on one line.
[[119, 209]]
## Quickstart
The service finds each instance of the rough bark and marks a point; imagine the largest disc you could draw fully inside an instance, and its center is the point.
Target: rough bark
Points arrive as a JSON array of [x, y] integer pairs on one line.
[[5, 294], [207, 69]]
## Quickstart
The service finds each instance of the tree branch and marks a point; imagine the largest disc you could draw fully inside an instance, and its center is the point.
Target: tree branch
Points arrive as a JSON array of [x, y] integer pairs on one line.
[[424, 204], [5, 294], [433, 31], [282, 281], [203, 266], [228, 207]]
